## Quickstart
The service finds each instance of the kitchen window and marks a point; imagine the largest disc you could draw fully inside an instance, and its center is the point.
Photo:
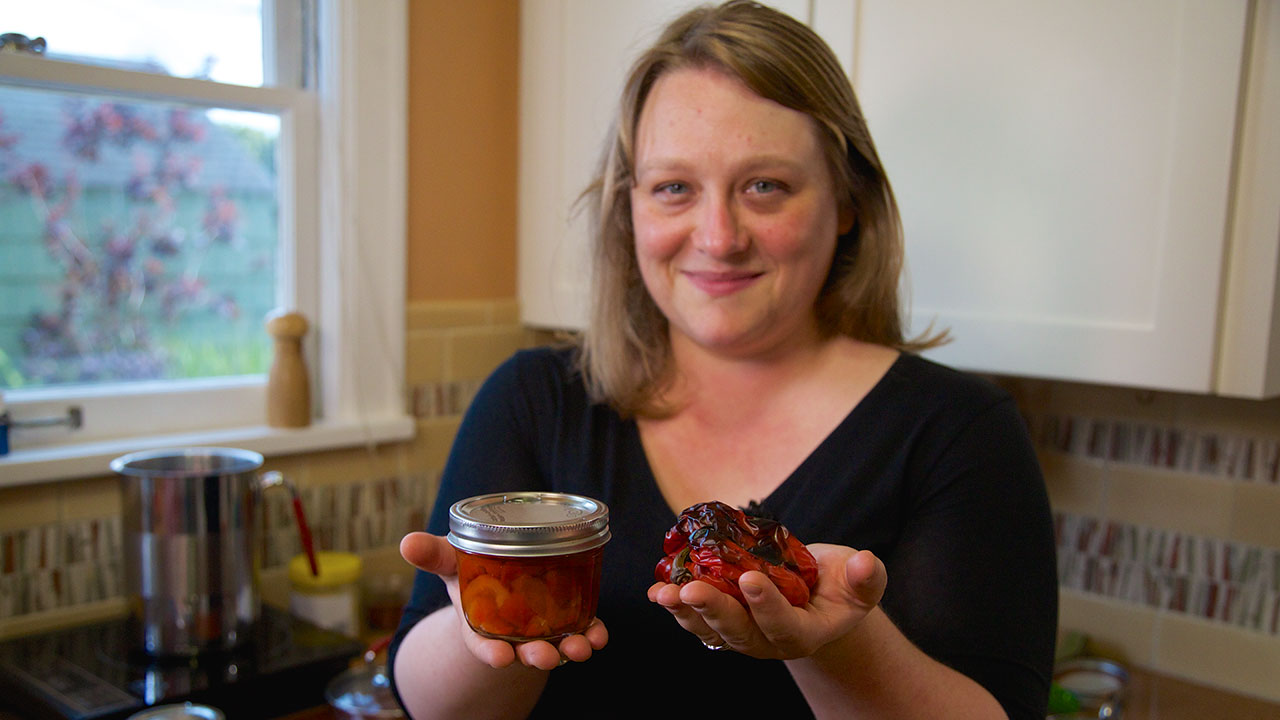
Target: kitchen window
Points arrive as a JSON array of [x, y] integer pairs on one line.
[[168, 178]]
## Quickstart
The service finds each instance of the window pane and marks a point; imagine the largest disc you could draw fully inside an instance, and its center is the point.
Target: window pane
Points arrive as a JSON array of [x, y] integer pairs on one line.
[[138, 240], [211, 39]]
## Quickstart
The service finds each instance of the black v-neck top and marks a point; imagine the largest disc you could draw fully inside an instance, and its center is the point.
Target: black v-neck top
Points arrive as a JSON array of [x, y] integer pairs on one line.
[[933, 471]]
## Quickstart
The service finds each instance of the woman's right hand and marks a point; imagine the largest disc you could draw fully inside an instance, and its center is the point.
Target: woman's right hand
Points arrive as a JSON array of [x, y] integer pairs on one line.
[[850, 585], [434, 554]]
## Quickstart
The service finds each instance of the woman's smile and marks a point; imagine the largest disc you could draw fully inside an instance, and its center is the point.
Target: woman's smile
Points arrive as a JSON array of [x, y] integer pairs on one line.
[[721, 283]]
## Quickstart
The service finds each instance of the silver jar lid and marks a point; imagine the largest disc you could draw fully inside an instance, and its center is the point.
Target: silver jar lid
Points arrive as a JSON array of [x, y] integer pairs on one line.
[[528, 524]]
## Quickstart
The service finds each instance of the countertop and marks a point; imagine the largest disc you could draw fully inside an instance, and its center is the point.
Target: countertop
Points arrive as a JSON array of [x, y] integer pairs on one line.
[[1153, 696], [318, 713]]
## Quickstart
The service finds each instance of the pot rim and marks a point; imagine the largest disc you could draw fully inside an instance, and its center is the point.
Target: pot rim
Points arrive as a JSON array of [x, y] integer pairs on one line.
[[135, 464]]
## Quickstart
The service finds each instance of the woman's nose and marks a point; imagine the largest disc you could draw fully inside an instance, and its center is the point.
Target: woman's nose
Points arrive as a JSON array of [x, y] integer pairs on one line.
[[719, 232]]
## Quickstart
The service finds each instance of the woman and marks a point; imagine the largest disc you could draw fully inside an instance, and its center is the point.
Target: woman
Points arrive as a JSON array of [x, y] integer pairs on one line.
[[746, 346]]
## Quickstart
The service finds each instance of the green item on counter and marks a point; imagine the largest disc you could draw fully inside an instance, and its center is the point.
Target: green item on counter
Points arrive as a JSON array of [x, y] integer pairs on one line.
[[1062, 700]]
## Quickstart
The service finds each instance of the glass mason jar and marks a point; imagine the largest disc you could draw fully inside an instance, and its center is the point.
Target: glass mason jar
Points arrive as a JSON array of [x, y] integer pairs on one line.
[[529, 563]]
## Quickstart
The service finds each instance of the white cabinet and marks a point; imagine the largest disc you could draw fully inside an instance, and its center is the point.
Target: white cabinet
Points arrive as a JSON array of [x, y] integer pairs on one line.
[[1090, 190], [573, 58], [1067, 175], [1249, 350]]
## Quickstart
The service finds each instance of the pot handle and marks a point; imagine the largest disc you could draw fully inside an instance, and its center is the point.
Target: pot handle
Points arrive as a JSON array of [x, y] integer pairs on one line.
[[275, 478], [378, 646]]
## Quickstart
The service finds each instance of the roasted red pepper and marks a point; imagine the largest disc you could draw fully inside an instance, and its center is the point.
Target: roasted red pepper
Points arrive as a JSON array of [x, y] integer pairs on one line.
[[716, 543]]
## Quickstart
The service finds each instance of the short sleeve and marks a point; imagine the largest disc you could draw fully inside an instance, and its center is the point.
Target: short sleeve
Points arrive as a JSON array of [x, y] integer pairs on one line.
[[975, 570]]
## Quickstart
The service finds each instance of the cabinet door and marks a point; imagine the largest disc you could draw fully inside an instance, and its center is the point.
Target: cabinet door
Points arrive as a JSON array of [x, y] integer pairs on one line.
[[1063, 171], [1249, 349], [573, 56]]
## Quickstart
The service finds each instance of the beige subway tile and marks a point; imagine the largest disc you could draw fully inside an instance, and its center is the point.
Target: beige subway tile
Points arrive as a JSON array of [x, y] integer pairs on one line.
[[1218, 654], [1177, 699], [385, 560], [431, 445], [431, 491], [1031, 395], [295, 468], [1118, 630], [274, 586], [425, 353], [1255, 514], [1229, 415], [537, 337], [1196, 504], [534, 337], [416, 315], [28, 506], [505, 311], [355, 465], [435, 314], [1099, 401], [86, 499], [1075, 484], [474, 353]]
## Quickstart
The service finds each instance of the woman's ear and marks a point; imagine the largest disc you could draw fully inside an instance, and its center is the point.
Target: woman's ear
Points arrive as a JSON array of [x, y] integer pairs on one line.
[[844, 218]]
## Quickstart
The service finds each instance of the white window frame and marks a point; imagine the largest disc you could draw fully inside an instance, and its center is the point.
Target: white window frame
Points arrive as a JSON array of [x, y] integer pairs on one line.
[[347, 210]]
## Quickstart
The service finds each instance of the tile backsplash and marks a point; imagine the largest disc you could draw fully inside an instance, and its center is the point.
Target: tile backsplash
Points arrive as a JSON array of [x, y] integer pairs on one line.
[[53, 566], [1204, 577], [1167, 519], [1204, 452], [1166, 568]]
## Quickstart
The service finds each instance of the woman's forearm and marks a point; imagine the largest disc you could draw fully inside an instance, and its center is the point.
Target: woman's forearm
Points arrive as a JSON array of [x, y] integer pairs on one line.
[[875, 672], [437, 677]]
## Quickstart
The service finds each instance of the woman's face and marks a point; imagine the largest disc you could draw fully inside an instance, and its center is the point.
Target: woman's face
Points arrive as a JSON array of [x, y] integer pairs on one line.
[[734, 214]]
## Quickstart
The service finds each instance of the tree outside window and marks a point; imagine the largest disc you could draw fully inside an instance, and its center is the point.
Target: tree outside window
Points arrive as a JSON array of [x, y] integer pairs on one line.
[[138, 239]]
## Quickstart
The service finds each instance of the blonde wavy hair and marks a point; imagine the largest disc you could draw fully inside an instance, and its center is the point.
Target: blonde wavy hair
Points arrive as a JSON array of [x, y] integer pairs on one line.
[[625, 354]]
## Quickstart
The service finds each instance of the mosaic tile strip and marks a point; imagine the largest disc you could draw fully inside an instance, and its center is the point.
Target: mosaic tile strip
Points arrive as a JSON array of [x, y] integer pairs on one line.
[[1215, 579], [54, 546], [351, 517], [442, 399], [52, 566], [1218, 454]]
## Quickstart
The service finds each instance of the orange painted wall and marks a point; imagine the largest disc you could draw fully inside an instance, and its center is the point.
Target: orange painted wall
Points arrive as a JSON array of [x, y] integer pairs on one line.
[[463, 126]]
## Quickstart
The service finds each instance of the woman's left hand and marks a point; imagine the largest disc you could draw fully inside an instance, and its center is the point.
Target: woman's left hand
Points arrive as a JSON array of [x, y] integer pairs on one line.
[[850, 584]]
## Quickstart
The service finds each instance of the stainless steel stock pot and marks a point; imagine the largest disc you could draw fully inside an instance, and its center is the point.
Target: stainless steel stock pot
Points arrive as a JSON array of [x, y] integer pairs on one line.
[[192, 546]]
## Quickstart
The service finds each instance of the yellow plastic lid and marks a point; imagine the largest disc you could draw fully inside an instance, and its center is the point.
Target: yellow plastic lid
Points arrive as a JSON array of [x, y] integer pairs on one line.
[[336, 568]]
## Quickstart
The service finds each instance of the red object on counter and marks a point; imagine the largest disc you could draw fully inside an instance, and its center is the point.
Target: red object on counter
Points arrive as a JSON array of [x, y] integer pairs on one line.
[[716, 543]]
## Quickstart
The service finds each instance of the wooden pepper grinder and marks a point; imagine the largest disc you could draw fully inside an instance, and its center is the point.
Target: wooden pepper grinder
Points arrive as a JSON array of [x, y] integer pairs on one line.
[[288, 387]]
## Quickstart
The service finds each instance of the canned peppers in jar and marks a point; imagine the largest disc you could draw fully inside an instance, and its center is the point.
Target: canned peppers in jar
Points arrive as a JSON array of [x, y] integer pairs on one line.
[[529, 563]]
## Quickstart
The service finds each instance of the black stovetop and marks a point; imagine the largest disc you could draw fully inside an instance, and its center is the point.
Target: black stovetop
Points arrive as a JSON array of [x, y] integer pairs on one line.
[[92, 672]]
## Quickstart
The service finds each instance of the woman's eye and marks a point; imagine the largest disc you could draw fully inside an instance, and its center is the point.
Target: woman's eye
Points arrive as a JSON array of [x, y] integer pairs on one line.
[[762, 187], [673, 188]]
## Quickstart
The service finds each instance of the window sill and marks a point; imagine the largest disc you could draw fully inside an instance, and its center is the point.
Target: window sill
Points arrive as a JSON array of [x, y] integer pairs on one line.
[[62, 462]]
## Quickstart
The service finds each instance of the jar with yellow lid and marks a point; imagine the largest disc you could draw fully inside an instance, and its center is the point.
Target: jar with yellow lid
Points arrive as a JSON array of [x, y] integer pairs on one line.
[[330, 599]]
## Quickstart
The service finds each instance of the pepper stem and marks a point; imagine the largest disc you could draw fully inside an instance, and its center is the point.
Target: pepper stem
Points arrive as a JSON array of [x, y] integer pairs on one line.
[[679, 573]]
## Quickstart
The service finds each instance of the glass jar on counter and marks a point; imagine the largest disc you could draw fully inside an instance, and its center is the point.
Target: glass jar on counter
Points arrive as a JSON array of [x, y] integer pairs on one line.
[[529, 563]]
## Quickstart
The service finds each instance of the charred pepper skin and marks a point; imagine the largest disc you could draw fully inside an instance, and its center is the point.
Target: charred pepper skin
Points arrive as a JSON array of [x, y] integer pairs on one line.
[[716, 543]]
